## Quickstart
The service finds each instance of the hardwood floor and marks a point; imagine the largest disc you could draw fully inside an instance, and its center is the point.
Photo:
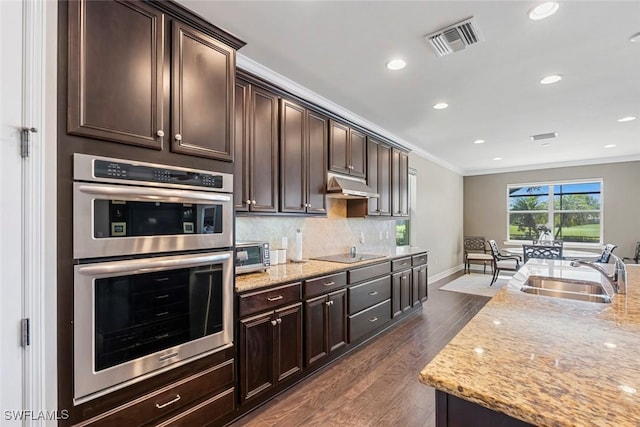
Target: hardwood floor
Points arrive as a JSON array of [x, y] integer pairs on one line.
[[377, 385]]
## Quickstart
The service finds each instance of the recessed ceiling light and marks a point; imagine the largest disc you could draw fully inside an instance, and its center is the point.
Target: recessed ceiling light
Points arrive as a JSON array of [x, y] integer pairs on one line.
[[479, 141], [396, 64], [610, 146], [635, 38], [543, 10], [627, 119], [497, 158], [554, 78], [441, 106]]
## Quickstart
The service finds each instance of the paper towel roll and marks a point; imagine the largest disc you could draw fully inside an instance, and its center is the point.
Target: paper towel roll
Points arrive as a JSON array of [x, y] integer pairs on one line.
[[298, 255]]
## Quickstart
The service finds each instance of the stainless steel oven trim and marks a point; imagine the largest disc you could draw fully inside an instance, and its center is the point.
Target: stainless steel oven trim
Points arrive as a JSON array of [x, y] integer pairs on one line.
[[89, 384], [83, 171], [85, 245]]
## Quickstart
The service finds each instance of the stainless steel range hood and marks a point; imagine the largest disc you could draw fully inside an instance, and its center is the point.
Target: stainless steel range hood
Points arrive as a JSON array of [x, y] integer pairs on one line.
[[345, 187]]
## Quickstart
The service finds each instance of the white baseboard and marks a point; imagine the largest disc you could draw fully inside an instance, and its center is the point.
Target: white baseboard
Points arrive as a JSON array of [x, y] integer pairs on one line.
[[445, 273]]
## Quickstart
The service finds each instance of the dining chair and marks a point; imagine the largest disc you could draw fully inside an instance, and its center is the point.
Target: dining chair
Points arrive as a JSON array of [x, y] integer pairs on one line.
[[606, 253], [541, 252], [475, 251], [502, 262]]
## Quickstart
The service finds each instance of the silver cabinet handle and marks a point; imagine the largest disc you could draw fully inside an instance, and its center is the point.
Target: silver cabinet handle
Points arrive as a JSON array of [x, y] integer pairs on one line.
[[148, 194], [329, 303], [274, 323], [375, 319], [249, 201], [373, 293], [171, 402], [178, 137], [329, 284], [279, 320], [253, 202], [276, 298], [160, 133]]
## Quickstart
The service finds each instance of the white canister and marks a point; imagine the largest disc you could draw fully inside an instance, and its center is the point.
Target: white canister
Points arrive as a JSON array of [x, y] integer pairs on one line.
[[282, 256], [274, 258]]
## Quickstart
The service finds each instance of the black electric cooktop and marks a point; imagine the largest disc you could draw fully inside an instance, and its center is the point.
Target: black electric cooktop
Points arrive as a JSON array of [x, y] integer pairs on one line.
[[348, 258]]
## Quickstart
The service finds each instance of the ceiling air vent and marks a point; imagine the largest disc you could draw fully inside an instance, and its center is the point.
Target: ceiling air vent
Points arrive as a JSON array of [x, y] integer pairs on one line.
[[455, 37], [542, 136]]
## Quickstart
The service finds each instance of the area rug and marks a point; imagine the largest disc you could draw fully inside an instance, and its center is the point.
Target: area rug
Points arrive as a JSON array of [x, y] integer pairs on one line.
[[476, 284]]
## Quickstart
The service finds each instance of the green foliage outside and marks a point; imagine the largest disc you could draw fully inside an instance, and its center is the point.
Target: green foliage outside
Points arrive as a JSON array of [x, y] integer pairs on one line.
[[402, 232]]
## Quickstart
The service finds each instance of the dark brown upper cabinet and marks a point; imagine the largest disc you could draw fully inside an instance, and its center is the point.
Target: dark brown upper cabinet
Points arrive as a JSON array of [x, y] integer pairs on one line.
[[399, 183], [119, 86], [115, 75], [303, 156], [203, 76], [379, 177], [256, 149], [347, 150]]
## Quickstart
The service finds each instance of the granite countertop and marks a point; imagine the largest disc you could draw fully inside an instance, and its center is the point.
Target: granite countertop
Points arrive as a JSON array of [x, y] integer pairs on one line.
[[549, 361], [291, 271]]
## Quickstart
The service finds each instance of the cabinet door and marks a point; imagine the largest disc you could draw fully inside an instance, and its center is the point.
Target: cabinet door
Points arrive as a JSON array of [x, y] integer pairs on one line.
[[292, 158], [115, 76], [422, 284], [384, 179], [263, 137], [288, 341], [203, 81], [337, 319], [400, 183], [338, 147], [415, 286], [405, 290], [241, 157], [315, 328], [372, 176], [256, 355], [396, 293], [316, 162], [357, 154]]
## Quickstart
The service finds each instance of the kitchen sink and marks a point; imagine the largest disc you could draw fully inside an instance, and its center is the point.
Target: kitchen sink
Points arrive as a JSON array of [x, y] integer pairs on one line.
[[566, 288]]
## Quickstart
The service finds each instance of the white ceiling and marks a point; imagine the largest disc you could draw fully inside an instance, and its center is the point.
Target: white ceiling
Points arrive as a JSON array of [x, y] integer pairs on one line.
[[338, 49]]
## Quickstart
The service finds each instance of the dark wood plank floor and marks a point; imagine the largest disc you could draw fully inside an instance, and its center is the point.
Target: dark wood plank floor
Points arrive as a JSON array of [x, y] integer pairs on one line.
[[377, 385]]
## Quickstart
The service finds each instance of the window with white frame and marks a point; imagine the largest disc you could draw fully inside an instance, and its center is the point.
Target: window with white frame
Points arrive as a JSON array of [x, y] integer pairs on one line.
[[568, 211]]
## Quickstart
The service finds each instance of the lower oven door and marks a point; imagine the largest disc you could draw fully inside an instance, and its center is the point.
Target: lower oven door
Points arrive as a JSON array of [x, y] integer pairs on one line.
[[137, 318]]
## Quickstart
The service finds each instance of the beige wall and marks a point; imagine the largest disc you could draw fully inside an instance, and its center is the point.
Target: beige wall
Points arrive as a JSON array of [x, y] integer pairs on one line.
[[485, 200], [437, 215]]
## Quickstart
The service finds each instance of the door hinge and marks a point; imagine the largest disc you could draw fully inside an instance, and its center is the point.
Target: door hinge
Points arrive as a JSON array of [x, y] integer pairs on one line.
[[25, 332], [24, 143]]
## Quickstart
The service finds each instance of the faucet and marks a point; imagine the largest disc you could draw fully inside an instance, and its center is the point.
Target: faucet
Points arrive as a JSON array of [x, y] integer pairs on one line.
[[618, 278]]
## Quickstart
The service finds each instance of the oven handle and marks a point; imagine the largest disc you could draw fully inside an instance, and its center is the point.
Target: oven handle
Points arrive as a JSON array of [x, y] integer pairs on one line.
[[149, 265], [151, 194]]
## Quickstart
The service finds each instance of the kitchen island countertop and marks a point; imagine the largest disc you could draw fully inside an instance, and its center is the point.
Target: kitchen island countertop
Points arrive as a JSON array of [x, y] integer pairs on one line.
[[291, 271], [549, 361]]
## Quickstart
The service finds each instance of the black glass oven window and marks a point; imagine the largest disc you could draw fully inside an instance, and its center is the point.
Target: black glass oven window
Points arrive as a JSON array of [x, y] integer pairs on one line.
[[141, 314], [114, 218]]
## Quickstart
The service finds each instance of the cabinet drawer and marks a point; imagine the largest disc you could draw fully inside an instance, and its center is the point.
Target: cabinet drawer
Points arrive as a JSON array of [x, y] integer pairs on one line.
[[369, 320], [205, 412], [401, 263], [169, 399], [419, 259], [325, 284], [256, 302], [369, 293], [369, 272]]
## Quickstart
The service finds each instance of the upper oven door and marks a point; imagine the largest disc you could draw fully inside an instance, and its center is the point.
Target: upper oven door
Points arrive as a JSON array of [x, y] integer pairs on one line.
[[113, 220]]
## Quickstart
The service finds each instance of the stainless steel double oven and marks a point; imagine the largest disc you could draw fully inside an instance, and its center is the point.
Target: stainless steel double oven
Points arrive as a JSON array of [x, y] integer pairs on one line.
[[153, 273]]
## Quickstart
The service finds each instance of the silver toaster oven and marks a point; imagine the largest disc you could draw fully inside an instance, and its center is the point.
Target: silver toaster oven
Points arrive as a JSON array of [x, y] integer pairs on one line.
[[252, 257]]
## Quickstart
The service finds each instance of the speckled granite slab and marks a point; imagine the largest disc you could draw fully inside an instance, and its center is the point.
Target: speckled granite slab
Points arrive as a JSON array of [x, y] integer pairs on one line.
[[289, 272], [549, 361]]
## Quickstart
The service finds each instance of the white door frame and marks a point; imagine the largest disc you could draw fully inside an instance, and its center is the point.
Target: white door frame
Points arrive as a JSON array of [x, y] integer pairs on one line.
[[33, 237]]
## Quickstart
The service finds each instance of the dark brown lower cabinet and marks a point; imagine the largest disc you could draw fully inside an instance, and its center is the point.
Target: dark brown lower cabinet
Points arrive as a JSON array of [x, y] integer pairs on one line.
[[419, 285], [270, 349], [400, 292], [325, 325], [452, 411]]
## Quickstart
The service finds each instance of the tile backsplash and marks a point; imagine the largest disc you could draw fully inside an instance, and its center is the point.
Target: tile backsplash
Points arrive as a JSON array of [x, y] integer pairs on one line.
[[329, 235]]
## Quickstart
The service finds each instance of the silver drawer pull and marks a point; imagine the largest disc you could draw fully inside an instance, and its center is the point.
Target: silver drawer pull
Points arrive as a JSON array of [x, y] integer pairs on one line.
[[329, 283], [373, 293], [274, 323], [276, 298], [171, 402], [164, 313], [373, 319], [279, 320]]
